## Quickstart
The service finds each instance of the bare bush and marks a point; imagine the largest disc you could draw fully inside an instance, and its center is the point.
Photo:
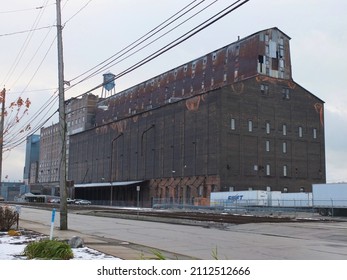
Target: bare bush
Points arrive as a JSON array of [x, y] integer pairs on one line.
[[8, 217]]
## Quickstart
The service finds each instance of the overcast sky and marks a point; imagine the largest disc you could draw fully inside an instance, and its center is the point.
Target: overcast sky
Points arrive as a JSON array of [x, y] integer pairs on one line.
[[95, 30]]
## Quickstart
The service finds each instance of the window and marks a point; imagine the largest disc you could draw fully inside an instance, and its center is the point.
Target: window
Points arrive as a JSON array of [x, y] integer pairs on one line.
[[250, 126], [300, 131], [214, 56], [233, 124], [267, 125], [268, 170], [264, 89], [267, 145], [285, 93], [284, 129], [284, 147], [314, 131], [285, 169]]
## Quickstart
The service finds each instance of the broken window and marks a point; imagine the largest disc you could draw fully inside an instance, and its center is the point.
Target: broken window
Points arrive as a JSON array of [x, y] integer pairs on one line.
[[261, 63], [273, 49], [281, 52], [275, 64]]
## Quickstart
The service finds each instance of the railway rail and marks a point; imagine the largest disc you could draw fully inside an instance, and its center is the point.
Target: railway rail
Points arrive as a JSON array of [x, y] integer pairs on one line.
[[173, 215]]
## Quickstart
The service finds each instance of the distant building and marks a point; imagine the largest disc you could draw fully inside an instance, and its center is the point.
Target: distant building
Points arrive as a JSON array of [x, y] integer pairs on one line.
[[80, 115], [233, 119], [32, 151], [11, 190]]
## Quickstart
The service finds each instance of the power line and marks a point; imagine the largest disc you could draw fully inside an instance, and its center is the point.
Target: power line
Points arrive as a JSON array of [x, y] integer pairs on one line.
[[14, 136], [141, 39], [24, 10], [177, 41], [44, 107], [24, 46], [156, 39], [25, 31], [80, 10]]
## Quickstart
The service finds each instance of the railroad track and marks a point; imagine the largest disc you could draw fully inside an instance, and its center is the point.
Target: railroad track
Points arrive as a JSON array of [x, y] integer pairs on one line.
[[169, 215]]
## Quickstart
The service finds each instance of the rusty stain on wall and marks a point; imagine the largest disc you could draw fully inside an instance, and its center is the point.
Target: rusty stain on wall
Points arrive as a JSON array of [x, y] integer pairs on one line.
[[193, 103], [319, 109], [238, 88]]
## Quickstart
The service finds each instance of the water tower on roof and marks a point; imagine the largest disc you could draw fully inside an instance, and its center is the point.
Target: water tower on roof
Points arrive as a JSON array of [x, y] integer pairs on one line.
[[108, 85]]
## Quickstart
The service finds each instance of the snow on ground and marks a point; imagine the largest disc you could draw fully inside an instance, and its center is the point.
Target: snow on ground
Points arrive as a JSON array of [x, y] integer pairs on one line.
[[12, 247]]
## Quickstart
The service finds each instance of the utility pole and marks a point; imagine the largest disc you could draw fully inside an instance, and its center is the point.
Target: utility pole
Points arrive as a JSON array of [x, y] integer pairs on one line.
[[2, 98], [62, 124]]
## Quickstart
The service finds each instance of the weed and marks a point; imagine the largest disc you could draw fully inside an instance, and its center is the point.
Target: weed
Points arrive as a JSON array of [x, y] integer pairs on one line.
[[48, 250]]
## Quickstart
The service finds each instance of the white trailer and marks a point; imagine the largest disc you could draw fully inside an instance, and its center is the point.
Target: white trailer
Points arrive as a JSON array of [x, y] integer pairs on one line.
[[330, 199], [300, 199], [239, 198]]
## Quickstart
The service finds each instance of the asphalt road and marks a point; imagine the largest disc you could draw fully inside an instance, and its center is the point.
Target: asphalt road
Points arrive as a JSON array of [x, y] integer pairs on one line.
[[261, 241]]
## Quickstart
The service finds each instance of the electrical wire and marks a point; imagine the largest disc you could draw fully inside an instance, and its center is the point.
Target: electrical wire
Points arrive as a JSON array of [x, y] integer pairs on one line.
[[80, 10], [176, 42], [13, 139], [24, 46], [101, 69], [24, 10], [14, 136], [141, 39], [25, 31], [148, 44]]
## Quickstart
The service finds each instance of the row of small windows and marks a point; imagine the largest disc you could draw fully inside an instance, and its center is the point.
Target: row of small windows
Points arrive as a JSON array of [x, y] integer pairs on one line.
[[267, 146], [264, 89], [268, 128]]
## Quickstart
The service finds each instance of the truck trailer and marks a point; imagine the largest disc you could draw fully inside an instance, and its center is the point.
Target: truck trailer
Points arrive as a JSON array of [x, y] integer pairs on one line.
[[239, 198], [330, 199]]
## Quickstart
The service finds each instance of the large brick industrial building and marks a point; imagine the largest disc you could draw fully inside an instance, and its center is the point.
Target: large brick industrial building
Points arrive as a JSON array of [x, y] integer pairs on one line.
[[233, 119]]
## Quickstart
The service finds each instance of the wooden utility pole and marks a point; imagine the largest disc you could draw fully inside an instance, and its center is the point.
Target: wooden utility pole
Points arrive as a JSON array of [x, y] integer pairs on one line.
[[2, 97], [62, 124]]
